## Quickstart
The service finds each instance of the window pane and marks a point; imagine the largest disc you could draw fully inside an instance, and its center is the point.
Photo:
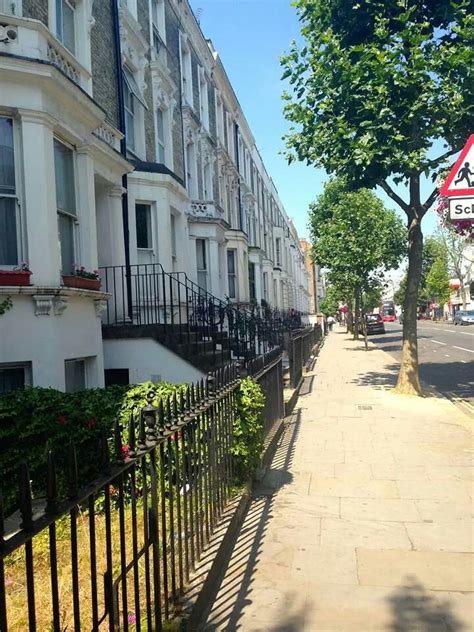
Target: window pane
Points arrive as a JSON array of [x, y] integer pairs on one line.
[[232, 293], [201, 254], [173, 235], [7, 165], [231, 262], [143, 223], [12, 379], [75, 374], [159, 124], [64, 172], [66, 242], [202, 280], [69, 39], [8, 236]]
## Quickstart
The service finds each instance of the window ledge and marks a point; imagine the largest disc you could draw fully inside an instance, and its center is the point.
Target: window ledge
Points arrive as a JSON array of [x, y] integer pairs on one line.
[[53, 290]]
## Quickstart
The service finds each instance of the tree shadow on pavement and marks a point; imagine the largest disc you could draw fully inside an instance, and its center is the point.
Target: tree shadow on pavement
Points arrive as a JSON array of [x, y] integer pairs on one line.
[[235, 592], [379, 379], [414, 609]]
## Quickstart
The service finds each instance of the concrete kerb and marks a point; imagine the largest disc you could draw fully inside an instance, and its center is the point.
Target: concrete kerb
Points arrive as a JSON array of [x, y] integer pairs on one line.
[[210, 587]]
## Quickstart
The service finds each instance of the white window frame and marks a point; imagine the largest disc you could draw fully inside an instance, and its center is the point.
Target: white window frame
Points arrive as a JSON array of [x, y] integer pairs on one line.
[[16, 196], [173, 246], [207, 182], [27, 372], [203, 271], [68, 214], [158, 19], [203, 97], [129, 78], [191, 171], [150, 247], [232, 275], [186, 70], [59, 24], [161, 142], [278, 260]]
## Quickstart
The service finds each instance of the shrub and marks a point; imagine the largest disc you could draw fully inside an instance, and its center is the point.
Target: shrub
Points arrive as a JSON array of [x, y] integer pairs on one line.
[[36, 420], [248, 429]]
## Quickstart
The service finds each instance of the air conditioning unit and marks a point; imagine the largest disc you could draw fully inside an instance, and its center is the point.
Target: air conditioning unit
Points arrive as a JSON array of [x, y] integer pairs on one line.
[[8, 33]]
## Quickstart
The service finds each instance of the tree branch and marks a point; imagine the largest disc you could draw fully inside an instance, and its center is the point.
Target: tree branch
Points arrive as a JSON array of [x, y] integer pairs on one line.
[[430, 199], [395, 197], [436, 161]]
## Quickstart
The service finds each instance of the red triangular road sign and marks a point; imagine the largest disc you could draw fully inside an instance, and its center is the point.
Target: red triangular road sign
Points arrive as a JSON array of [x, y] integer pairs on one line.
[[461, 177]]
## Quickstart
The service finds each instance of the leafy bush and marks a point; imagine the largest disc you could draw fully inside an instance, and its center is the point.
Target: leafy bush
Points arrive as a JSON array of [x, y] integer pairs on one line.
[[36, 420], [248, 429]]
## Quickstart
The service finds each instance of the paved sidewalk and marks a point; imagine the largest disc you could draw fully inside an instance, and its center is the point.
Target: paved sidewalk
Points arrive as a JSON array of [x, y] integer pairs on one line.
[[364, 521]]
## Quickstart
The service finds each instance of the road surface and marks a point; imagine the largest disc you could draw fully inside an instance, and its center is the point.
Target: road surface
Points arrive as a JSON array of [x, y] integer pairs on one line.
[[446, 356]]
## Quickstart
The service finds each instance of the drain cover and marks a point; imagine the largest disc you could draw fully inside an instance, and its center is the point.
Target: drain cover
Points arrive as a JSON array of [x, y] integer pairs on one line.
[[364, 407]]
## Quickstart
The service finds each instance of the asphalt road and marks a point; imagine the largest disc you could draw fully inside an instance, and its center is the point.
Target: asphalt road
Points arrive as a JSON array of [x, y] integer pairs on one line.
[[446, 355]]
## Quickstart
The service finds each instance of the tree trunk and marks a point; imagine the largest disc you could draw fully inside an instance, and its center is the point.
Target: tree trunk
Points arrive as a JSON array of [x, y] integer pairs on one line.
[[357, 310], [408, 379]]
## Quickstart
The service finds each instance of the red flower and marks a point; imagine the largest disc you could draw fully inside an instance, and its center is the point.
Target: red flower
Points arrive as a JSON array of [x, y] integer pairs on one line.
[[91, 423], [125, 450], [62, 420]]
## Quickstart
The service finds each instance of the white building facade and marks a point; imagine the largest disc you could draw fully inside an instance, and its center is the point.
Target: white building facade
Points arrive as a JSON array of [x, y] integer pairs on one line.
[[181, 190]]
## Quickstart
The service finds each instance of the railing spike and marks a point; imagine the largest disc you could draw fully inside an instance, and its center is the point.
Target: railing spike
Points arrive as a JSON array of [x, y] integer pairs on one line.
[[118, 441], [73, 475], [26, 501], [141, 432], [169, 413], [132, 444], [51, 485], [175, 405], [162, 420]]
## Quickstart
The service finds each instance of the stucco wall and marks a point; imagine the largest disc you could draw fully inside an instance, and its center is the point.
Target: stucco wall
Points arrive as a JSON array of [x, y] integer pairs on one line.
[[148, 360]]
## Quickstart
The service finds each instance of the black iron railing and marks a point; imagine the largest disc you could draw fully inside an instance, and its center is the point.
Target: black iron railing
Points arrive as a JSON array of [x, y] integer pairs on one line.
[[177, 307], [300, 348], [118, 553]]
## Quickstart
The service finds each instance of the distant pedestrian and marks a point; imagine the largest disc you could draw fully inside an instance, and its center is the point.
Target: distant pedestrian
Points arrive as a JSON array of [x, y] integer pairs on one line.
[[330, 322]]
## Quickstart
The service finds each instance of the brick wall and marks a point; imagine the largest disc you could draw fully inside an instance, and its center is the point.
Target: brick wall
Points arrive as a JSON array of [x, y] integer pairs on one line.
[[36, 9], [104, 74]]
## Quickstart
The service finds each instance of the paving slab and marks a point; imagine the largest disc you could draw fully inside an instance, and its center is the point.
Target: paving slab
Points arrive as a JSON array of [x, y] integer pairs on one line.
[[364, 520]]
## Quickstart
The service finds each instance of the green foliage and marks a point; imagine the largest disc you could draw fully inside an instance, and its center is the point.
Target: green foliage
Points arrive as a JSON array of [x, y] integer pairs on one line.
[[372, 297], [330, 303], [399, 296], [437, 281], [354, 235], [5, 305], [248, 429], [375, 82], [36, 420]]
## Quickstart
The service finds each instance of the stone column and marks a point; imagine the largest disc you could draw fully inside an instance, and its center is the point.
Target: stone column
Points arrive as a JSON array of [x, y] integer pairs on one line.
[[39, 204], [86, 212]]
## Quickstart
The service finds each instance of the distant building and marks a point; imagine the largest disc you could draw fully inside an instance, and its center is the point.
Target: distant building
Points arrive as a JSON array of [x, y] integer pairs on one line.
[[317, 287]]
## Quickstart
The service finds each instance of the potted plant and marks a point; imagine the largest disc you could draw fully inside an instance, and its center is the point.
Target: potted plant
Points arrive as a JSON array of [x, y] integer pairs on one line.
[[18, 276], [81, 278]]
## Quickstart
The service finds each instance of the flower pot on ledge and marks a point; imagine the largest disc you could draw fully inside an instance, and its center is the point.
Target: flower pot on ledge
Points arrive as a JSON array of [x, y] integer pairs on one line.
[[73, 280], [15, 277]]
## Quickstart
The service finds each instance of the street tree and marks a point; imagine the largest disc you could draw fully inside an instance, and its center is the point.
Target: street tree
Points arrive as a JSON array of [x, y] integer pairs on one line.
[[377, 87], [355, 237], [437, 281]]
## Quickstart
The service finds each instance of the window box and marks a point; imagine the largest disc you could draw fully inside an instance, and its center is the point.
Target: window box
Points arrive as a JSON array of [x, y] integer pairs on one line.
[[74, 280], [15, 277]]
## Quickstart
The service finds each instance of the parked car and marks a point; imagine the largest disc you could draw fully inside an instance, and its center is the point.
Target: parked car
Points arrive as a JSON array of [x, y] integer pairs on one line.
[[374, 324], [464, 317]]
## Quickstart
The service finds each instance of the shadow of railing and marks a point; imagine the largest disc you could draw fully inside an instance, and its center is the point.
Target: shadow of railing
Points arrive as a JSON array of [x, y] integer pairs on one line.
[[235, 590]]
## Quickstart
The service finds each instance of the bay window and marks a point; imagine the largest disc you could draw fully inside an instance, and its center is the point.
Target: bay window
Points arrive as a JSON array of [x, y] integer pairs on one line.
[[134, 105], [65, 204], [8, 196]]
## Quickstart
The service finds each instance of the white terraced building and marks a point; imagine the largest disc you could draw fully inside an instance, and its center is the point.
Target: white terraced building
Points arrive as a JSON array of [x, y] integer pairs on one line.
[[123, 148]]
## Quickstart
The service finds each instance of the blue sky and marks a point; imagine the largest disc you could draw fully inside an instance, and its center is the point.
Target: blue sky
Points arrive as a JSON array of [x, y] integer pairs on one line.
[[249, 36]]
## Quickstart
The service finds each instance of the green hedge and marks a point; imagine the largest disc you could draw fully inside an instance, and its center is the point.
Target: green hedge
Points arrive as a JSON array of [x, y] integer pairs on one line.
[[36, 420]]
